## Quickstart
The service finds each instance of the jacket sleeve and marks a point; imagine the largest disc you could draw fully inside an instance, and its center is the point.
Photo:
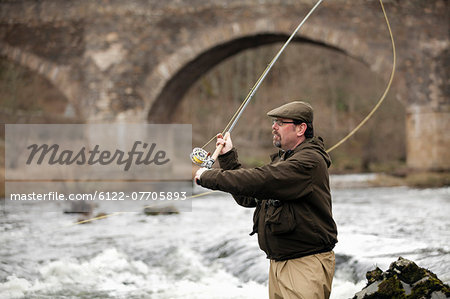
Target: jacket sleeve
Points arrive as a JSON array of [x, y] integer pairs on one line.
[[282, 180], [229, 161]]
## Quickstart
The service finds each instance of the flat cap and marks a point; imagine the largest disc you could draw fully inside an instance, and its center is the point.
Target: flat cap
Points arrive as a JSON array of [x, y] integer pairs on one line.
[[297, 110]]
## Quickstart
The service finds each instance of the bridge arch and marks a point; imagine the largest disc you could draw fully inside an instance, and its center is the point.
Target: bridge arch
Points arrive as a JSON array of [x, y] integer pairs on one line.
[[57, 75], [173, 76]]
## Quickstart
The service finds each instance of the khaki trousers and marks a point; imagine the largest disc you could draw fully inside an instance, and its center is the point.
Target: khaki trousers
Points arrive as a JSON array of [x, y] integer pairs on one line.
[[308, 277]]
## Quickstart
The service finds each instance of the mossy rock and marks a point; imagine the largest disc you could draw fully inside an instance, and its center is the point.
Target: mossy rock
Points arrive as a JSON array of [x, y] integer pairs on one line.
[[407, 271], [391, 288], [374, 275], [403, 279], [428, 286]]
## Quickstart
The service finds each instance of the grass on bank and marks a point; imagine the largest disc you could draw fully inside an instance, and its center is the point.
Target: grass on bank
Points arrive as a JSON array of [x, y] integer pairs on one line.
[[425, 179]]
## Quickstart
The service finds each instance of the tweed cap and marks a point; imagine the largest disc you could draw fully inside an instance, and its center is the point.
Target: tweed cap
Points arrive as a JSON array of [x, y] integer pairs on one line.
[[297, 110]]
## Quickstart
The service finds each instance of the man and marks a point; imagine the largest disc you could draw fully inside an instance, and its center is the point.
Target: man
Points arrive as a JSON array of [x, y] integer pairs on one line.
[[293, 217]]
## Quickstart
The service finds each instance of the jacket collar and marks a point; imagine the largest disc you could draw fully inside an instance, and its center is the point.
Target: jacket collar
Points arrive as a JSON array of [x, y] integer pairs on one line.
[[286, 154]]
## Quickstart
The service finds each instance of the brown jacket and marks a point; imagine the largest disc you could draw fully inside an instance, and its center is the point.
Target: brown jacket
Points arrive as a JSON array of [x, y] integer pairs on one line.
[[293, 215]]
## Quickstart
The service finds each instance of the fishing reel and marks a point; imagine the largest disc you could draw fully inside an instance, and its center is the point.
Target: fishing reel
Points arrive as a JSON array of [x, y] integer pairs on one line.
[[201, 157]]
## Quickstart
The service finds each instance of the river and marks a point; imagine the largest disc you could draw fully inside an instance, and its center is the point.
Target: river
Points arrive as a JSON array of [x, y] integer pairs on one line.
[[207, 253]]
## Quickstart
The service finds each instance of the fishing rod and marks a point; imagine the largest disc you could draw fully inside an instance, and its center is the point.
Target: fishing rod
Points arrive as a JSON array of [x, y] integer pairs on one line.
[[202, 157], [238, 113]]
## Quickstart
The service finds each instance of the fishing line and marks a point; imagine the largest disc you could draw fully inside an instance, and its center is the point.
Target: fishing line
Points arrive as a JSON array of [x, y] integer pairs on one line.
[[375, 108], [117, 213], [241, 108]]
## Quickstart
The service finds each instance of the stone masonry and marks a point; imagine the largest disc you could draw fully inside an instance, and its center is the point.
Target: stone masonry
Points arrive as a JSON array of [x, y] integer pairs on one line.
[[132, 61]]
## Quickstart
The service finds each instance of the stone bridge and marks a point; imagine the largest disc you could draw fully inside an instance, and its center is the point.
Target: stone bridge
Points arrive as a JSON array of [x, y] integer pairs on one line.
[[133, 61]]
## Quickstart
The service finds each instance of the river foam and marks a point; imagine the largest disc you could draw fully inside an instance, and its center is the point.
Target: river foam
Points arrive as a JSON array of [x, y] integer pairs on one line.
[[207, 253]]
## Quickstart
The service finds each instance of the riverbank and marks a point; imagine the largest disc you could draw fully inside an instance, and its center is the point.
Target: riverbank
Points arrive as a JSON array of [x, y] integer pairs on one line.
[[413, 179], [418, 180]]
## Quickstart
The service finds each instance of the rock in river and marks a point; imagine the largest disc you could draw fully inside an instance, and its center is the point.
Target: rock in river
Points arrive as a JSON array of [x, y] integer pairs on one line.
[[161, 210], [403, 279]]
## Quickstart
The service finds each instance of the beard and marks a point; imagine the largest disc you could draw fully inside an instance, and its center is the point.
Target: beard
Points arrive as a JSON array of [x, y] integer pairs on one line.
[[276, 140]]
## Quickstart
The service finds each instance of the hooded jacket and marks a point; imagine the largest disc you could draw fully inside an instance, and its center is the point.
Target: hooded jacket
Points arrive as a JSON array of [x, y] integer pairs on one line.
[[293, 215]]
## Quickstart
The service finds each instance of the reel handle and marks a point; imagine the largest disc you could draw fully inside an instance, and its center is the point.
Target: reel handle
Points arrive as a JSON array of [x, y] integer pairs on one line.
[[217, 152], [209, 163]]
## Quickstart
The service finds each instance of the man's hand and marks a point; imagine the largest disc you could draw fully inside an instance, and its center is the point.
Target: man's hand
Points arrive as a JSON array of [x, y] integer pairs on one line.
[[225, 141], [198, 174], [227, 146]]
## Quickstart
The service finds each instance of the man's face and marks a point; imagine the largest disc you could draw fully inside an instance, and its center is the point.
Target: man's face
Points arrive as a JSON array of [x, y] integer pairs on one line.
[[284, 133]]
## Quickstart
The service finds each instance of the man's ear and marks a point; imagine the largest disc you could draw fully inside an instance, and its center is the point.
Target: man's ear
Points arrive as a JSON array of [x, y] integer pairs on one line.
[[301, 129]]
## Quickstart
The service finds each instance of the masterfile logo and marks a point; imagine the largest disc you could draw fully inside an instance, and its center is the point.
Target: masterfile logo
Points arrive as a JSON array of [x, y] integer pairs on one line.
[[129, 165], [95, 156], [98, 151]]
